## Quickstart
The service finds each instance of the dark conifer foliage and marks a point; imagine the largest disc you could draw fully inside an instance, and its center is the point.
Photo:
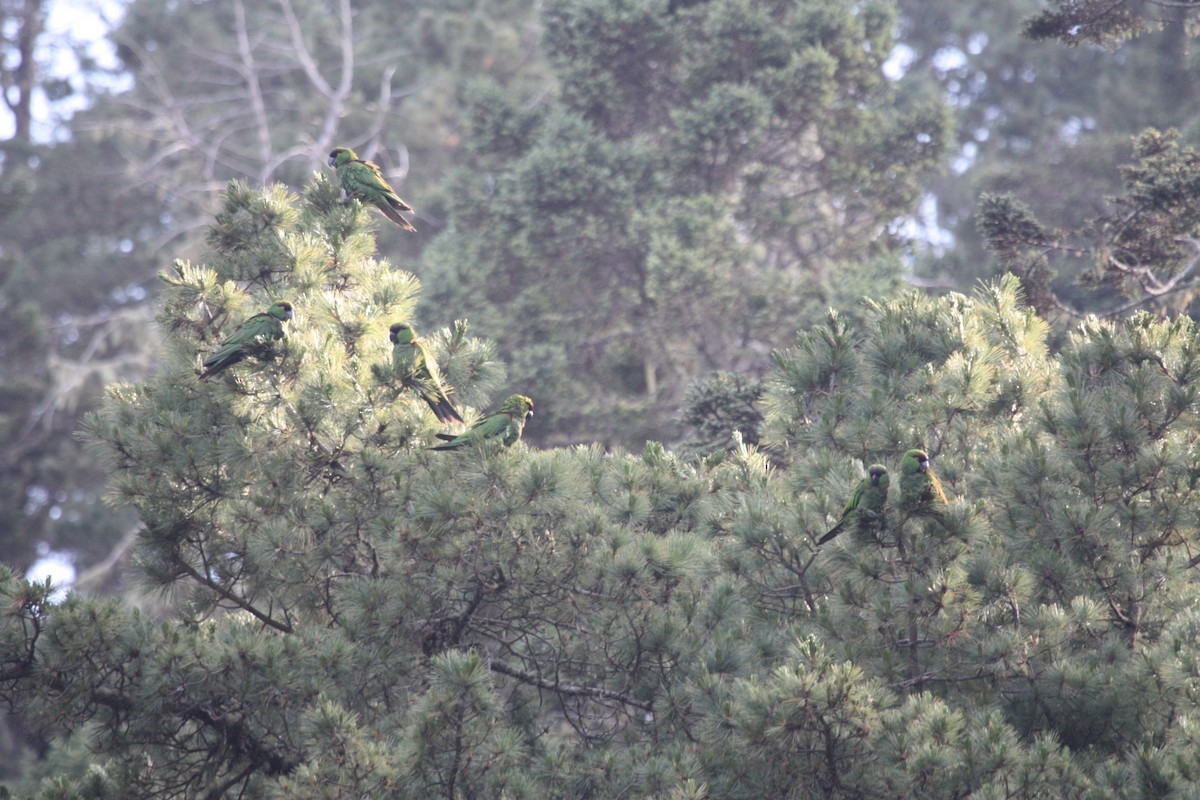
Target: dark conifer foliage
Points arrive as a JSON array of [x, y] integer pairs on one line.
[[704, 179], [354, 613]]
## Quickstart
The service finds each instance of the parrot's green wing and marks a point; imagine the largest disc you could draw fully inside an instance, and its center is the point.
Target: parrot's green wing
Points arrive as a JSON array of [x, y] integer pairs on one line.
[[416, 368], [866, 503], [848, 512], [489, 427], [506, 425], [364, 181], [856, 497], [264, 327]]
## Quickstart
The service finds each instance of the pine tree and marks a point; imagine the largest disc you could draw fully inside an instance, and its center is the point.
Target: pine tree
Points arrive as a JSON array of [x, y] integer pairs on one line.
[[354, 614], [1054, 602], [335, 581]]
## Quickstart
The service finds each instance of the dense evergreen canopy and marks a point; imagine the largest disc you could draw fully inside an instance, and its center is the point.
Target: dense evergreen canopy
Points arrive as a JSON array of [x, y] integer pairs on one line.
[[638, 205], [357, 615]]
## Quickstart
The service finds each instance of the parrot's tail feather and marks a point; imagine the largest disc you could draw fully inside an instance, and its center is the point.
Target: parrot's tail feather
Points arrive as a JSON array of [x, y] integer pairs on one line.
[[399, 205], [214, 365], [836, 530], [444, 411], [395, 217]]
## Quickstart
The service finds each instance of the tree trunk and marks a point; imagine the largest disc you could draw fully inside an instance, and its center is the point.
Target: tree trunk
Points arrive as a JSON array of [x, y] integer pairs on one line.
[[18, 81]]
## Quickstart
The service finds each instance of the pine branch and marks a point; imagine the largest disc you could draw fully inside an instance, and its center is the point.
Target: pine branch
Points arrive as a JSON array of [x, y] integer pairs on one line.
[[573, 690], [238, 601]]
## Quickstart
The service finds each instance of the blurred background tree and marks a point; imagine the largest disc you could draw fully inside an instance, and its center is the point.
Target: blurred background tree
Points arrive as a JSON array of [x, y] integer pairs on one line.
[[1044, 122], [74, 316], [706, 177], [1139, 251]]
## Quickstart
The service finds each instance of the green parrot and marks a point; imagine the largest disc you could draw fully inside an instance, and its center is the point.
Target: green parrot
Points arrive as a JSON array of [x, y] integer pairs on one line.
[[262, 327], [920, 489], [363, 181], [505, 424], [866, 502], [412, 363]]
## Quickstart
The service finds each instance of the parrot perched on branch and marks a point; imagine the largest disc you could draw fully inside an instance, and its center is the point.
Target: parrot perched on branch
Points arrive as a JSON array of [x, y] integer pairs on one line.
[[414, 366], [866, 502], [363, 181], [920, 489], [505, 425], [260, 328]]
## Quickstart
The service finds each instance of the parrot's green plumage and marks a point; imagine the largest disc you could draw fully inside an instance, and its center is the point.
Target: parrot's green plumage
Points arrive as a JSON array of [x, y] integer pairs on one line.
[[920, 489], [414, 366], [866, 503], [256, 330], [505, 425], [364, 181]]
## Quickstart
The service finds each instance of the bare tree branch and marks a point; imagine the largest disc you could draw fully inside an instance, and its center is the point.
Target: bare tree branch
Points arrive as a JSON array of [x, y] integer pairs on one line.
[[99, 572], [72, 374], [249, 72]]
